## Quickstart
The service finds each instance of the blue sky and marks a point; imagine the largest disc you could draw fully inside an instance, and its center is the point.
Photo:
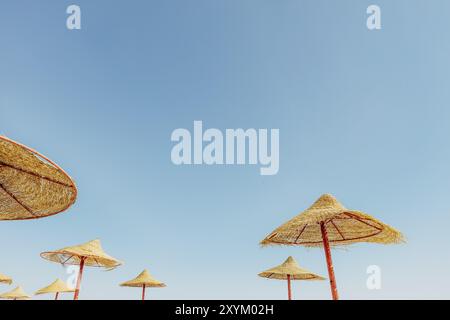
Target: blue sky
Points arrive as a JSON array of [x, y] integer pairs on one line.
[[362, 114]]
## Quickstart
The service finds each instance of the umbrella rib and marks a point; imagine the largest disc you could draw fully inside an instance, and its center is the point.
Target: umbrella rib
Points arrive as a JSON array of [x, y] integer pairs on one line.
[[342, 240], [337, 229], [35, 174], [300, 233], [17, 200], [319, 242], [98, 263], [360, 220], [67, 259], [273, 235]]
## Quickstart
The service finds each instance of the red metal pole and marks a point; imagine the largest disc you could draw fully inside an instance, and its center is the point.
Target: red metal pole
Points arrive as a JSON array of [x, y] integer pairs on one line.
[[80, 275], [56, 296], [289, 287], [326, 246], [143, 292]]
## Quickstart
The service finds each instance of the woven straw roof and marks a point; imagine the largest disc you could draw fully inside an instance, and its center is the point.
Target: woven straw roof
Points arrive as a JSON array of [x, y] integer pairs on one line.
[[291, 268], [92, 252], [144, 278], [17, 293], [31, 186], [5, 279], [343, 227], [54, 287]]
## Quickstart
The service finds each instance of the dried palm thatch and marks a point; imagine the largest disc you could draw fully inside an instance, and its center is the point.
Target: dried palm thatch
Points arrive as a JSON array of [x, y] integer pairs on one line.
[[343, 227], [144, 280], [328, 223], [5, 279], [55, 287], [31, 185], [89, 254], [289, 269], [16, 294]]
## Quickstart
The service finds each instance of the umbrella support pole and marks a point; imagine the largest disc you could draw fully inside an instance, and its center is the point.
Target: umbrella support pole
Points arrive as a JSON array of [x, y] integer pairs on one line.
[[289, 287], [56, 295], [326, 246], [143, 292], [80, 275]]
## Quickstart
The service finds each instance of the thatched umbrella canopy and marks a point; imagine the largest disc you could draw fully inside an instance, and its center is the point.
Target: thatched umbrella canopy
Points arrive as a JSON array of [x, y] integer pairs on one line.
[[31, 185], [16, 294], [88, 254], [328, 223], [289, 270], [5, 279], [55, 287], [143, 280]]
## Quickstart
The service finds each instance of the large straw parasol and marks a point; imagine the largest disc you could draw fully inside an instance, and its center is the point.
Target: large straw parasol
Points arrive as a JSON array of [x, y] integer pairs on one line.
[[289, 270], [144, 280], [328, 223], [55, 287], [5, 279], [16, 294], [31, 185], [88, 254]]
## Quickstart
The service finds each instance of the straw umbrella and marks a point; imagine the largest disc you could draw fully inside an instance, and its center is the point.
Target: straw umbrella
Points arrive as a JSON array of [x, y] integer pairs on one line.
[[143, 280], [328, 223], [16, 294], [55, 287], [289, 270], [5, 279], [31, 185], [88, 254]]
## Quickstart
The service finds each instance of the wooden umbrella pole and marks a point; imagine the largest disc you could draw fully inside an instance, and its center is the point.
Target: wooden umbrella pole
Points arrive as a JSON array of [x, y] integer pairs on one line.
[[56, 296], [143, 292], [80, 275], [289, 287], [326, 246]]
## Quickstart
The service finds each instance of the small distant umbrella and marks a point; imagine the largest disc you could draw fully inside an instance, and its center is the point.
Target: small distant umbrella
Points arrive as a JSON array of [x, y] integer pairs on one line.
[[16, 294], [55, 287], [31, 185], [5, 279], [328, 223], [88, 254], [289, 270], [143, 280]]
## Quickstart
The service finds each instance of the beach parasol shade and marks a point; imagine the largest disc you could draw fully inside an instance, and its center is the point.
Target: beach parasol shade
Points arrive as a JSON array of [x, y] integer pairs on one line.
[[88, 254], [289, 270], [31, 185], [328, 223], [5, 279], [16, 294], [55, 287], [144, 280]]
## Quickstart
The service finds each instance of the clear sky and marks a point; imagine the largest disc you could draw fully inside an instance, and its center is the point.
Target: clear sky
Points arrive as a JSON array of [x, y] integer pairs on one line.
[[362, 114]]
